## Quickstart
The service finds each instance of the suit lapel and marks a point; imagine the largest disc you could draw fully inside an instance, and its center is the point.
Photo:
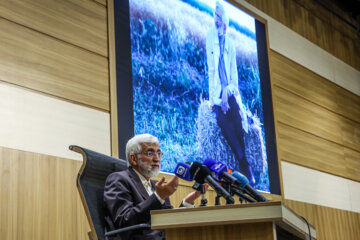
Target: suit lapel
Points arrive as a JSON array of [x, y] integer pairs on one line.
[[137, 182], [153, 184]]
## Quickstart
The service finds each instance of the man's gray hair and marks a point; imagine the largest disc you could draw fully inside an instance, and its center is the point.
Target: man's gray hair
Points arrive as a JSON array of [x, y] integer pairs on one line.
[[133, 146], [225, 18]]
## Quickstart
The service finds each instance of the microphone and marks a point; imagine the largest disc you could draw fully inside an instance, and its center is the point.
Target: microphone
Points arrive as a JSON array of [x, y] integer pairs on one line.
[[248, 188], [202, 174], [219, 170], [182, 171], [209, 162]]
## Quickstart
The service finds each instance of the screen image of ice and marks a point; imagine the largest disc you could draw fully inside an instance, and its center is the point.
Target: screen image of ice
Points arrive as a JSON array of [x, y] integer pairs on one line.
[[171, 79]]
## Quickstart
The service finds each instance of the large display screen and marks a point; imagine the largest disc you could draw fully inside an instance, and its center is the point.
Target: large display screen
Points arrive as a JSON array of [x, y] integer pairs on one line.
[[176, 60]]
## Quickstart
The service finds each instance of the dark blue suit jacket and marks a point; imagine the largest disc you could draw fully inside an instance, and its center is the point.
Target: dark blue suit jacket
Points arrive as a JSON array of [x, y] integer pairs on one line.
[[127, 203]]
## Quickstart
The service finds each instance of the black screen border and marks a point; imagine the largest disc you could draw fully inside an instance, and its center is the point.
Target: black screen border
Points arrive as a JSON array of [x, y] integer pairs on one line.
[[124, 89]]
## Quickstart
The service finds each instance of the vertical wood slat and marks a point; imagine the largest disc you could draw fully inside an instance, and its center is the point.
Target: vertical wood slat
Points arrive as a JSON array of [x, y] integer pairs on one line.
[[81, 23], [253, 231], [112, 80], [39, 198], [330, 223]]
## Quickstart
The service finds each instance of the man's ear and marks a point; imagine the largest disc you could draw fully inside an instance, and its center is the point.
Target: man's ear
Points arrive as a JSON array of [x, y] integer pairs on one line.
[[133, 159]]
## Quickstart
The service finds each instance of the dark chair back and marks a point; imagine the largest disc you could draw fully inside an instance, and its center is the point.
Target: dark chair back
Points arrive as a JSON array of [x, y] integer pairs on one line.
[[90, 183]]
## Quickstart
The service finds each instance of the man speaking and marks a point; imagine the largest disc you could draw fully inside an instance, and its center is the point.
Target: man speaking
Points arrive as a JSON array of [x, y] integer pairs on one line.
[[130, 195]]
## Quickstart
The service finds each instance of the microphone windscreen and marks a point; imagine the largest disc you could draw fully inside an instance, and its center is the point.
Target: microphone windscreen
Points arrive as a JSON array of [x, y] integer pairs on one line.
[[199, 172], [242, 179], [209, 162], [182, 170], [217, 169]]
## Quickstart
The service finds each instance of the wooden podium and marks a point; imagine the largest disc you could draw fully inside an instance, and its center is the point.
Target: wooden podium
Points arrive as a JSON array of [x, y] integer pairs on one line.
[[256, 221]]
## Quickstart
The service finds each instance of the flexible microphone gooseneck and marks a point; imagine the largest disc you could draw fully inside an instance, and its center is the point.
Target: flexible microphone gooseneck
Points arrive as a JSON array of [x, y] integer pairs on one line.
[[202, 174], [248, 188]]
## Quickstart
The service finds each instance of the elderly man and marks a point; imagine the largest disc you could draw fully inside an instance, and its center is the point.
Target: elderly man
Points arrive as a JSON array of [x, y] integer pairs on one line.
[[224, 95], [130, 195]]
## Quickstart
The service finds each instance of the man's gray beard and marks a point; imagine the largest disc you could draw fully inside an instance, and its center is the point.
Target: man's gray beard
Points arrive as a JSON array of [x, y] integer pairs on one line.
[[146, 169]]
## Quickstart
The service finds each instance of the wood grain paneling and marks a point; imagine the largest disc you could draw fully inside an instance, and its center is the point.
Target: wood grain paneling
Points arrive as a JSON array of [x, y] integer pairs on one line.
[[307, 150], [315, 23], [112, 80], [303, 82], [330, 223], [102, 2], [318, 121], [299, 113], [295, 111], [39, 198], [352, 163], [42, 63], [82, 23], [254, 231]]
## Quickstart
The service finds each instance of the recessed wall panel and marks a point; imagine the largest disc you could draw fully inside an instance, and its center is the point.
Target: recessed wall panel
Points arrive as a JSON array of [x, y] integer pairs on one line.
[[38, 123], [311, 186]]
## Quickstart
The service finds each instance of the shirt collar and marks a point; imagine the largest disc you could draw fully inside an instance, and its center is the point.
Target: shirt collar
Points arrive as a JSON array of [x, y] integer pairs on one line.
[[142, 178]]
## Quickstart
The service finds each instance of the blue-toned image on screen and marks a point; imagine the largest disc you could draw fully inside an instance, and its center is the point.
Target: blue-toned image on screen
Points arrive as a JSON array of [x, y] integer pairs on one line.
[[176, 91]]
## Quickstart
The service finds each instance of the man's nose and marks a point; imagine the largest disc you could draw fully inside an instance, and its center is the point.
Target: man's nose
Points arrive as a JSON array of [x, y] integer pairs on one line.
[[156, 158]]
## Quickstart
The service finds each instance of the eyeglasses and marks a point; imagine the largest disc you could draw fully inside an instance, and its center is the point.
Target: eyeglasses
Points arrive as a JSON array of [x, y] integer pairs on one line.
[[151, 154]]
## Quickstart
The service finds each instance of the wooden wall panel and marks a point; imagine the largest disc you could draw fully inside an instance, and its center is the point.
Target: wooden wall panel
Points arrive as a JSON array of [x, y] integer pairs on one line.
[[102, 2], [318, 122], [352, 163], [308, 116], [39, 198], [82, 23], [307, 150], [315, 23], [299, 113], [254, 231], [330, 223], [112, 82], [42, 63], [300, 81]]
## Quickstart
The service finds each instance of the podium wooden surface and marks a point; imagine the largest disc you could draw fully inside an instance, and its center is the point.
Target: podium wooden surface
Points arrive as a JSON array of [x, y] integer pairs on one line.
[[256, 221]]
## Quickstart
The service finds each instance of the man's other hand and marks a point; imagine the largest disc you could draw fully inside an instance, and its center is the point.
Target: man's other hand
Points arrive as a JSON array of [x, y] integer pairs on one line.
[[191, 197]]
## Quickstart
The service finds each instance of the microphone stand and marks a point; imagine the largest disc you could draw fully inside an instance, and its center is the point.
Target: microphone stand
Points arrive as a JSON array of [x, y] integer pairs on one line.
[[217, 200], [200, 187], [243, 197], [219, 195], [232, 190]]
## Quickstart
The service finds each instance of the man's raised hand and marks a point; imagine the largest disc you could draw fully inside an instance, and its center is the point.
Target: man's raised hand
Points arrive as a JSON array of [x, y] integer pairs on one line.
[[165, 190]]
